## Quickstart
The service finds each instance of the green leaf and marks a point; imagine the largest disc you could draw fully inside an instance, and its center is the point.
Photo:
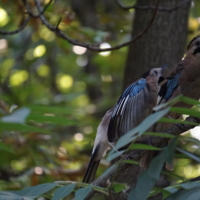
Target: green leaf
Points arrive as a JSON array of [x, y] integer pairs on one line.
[[160, 134], [115, 154], [63, 191], [51, 109], [192, 194], [191, 155], [172, 189], [131, 162], [133, 134], [18, 116], [157, 190], [175, 176], [180, 155], [36, 191], [190, 185], [185, 111], [190, 139], [118, 187], [105, 173], [40, 118], [82, 193], [9, 196], [169, 103], [176, 121], [3, 147], [143, 146], [189, 100], [149, 177], [20, 127]]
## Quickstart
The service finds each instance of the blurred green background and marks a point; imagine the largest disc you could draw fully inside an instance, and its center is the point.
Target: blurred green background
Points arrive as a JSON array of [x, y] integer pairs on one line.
[[67, 89]]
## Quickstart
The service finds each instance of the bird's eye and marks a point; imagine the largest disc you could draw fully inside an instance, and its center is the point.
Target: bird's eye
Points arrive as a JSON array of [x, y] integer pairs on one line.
[[155, 72], [197, 43]]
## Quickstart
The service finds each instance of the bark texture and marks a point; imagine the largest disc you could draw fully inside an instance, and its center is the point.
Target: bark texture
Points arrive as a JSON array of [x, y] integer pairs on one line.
[[163, 43]]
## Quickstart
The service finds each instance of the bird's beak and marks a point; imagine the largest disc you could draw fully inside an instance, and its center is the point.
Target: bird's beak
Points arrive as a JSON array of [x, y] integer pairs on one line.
[[169, 77], [163, 67]]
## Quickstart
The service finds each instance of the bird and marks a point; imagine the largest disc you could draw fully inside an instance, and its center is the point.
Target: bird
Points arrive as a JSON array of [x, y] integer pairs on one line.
[[185, 81], [132, 107]]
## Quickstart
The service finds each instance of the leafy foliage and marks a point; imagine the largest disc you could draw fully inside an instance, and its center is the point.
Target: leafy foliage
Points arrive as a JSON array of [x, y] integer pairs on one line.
[[52, 99]]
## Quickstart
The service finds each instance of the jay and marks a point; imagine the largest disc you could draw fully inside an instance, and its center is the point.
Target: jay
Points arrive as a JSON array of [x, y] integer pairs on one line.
[[132, 107], [185, 81]]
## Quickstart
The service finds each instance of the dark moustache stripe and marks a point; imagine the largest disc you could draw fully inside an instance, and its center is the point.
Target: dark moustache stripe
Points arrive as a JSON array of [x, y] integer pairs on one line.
[[196, 51]]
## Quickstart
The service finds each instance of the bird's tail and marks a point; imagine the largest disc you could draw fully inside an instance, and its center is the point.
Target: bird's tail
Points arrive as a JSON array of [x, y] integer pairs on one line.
[[91, 169]]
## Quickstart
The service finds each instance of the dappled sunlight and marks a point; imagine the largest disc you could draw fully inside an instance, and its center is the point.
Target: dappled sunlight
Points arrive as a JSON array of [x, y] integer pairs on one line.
[[39, 51], [106, 78], [78, 136], [82, 61], [4, 19], [195, 132], [88, 129], [43, 70], [6, 67], [64, 81], [18, 77], [30, 54], [61, 152], [193, 24], [80, 86], [105, 46], [79, 50], [91, 108], [38, 170], [82, 100], [46, 34], [3, 45], [19, 164]]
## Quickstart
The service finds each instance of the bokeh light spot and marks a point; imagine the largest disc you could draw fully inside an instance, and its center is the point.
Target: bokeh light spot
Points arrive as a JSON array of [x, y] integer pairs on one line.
[[79, 50], [18, 77], [105, 46], [82, 61], [3, 45], [78, 136], [39, 51], [46, 34], [3, 17], [195, 132], [106, 78], [88, 129], [64, 81], [43, 70], [29, 54], [38, 170]]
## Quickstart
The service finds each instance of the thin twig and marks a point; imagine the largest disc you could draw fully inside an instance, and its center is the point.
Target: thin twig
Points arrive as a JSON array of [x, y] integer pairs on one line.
[[93, 47], [25, 22], [152, 7]]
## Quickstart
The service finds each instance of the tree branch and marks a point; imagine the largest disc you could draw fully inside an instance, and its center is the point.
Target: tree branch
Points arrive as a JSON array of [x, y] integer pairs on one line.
[[61, 34], [25, 22], [175, 129], [93, 47], [152, 7]]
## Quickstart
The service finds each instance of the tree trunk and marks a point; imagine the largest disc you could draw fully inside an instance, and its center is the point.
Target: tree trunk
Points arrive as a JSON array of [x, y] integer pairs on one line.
[[163, 43]]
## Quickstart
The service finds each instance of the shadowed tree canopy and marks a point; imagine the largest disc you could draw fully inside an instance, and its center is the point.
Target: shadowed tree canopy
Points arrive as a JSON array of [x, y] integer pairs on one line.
[[63, 64]]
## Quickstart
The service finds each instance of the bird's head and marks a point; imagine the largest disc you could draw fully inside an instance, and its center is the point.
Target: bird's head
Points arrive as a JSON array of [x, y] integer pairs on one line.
[[194, 47], [154, 75]]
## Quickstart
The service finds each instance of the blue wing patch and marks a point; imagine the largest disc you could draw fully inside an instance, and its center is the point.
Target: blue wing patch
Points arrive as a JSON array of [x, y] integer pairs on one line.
[[133, 89], [117, 125], [171, 86]]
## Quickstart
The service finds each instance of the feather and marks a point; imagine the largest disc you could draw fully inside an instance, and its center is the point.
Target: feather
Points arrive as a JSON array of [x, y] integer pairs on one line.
[[122, 119]]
